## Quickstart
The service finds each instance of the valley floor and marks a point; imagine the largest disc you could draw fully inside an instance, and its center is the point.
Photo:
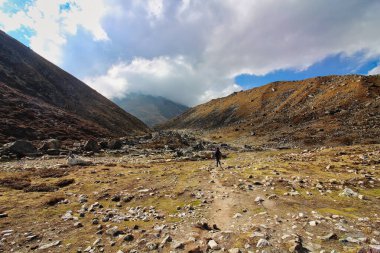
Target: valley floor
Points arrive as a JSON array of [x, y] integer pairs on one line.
[[270, 201]]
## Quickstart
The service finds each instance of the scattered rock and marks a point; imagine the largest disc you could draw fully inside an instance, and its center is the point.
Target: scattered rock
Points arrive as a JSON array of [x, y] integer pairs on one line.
[[297, 246], [262, 243], [167, 239], [50, 144], [20, 148], [348, 193], [78, 224], [91, 145], [213, 245], [72, 161], [68, 215], [259, 199], [116, 198], [114, 231], [152, 246], [234, 250], [330, 236], [49, 245], [237, 215], [115, 144], [313, 223], [203, 226], [129, 238], [178, 245]]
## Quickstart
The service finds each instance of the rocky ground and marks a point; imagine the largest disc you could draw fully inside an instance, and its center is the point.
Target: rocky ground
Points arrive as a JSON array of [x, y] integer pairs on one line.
[[320, 200]]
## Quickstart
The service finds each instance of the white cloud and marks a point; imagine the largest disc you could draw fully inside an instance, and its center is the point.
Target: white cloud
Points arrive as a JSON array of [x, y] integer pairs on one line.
[[174, 78], [218, 40], [52, 25], [190, 50], [374, 71], [155, 8]]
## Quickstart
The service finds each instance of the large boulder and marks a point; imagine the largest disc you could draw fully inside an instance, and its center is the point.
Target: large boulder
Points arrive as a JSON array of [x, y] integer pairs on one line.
[[115, 144], [91, 145], [20, 148], [72, 161], [50, 144]]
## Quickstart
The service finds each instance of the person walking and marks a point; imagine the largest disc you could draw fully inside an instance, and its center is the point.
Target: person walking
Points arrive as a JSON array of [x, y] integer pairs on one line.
[[218, 156]]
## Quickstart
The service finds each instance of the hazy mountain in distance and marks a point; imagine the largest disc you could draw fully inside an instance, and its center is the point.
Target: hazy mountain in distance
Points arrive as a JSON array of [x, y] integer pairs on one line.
[[152, 110]]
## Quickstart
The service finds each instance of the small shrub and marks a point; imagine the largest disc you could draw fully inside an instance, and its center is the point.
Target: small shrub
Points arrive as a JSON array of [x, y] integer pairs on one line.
[[64, 182], [40, 188], [15, 183], [46, 173], [53, 201]]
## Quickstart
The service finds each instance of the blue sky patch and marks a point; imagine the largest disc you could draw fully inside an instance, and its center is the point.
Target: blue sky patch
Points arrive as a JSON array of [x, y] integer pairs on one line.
[[338, 64], [23, 35], [65, 7], [14, 6]]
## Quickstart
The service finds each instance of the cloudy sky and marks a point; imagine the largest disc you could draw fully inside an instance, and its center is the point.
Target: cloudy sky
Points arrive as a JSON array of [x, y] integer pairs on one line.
[[193, 50]]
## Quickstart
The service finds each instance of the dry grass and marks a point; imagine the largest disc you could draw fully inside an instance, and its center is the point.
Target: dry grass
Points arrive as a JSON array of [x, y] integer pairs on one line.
[[64, 182], [41, 188], [172, 186], [51, 173], [53, 201], [17, 183]]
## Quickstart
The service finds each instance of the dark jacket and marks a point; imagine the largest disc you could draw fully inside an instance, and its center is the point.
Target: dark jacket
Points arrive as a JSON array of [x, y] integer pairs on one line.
[[218, 154]]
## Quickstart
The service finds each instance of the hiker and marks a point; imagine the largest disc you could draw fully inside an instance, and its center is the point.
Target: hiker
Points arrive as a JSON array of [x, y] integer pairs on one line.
[[218, 156]]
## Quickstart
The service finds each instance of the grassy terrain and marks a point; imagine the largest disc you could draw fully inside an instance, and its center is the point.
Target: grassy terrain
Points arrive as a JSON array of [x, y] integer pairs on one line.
[[185, 193]]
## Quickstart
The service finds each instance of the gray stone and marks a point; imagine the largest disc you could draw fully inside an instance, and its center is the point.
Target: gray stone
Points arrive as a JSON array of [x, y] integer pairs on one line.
[[91, 145], [78, 224], [262, 243], [348, 193], [52, 144], [259, 199], [19, 147], [129, 238], [166, 240], [114, 231], [49, 245], [178, 245], [237, 215], [68, 215], [234, 250], [313, 223], [152, 246], [115, 144], [213, 245], [330, 236], [375, 247]]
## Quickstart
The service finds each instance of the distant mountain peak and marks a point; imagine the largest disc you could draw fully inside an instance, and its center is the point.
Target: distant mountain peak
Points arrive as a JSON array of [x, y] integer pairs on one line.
[[152, 110]]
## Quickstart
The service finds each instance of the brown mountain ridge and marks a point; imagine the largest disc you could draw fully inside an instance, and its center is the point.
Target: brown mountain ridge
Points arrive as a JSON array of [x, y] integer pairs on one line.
[[39, 100], [334, 110]]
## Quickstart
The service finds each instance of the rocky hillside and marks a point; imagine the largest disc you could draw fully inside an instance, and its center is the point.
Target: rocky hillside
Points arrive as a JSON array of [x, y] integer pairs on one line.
[[151, 110], [334, 110], [39, 101]]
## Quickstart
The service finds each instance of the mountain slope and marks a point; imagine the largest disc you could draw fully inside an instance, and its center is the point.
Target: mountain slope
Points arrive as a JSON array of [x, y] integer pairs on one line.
[[322, 110], [150, 109], [27, 79]]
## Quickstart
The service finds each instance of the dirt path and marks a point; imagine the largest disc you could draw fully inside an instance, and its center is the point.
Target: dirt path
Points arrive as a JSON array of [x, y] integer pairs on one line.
[[221, 210], [228, 202]]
